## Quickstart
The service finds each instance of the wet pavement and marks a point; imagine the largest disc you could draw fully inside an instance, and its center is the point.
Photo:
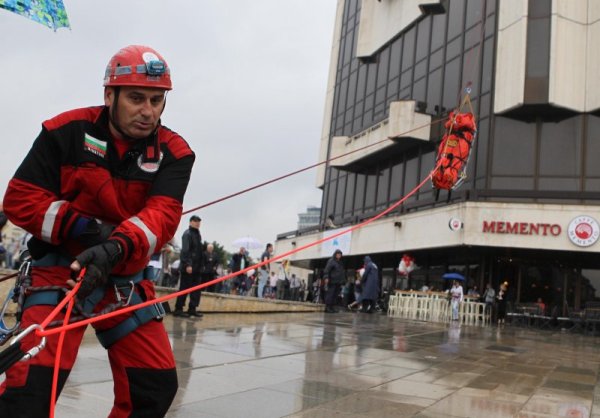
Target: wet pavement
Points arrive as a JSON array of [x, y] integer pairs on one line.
[[353, 365]]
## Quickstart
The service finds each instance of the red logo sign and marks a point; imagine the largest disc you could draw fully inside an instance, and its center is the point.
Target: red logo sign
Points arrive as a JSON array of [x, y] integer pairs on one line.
[[584, 231]]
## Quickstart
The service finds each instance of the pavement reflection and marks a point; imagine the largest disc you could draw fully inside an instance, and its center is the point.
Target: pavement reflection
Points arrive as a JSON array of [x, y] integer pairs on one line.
[[357, 365]]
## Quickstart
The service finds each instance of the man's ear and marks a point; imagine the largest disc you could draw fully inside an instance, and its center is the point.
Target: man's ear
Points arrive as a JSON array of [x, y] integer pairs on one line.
[[109, 96]]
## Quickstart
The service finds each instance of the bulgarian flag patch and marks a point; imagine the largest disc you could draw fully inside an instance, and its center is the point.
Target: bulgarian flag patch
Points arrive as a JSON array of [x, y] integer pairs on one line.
[[95, 146]]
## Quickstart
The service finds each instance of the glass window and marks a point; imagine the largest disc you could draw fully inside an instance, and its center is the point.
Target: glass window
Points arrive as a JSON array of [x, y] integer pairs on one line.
[[359, 194], [406, 79], [560, 148], [559, 183], [434, 97], [396, 181], [383, 186], [361, 83], [419, 90], [371, 78], [357, 122], [379, 111], [472, 38], [348, 48], [481, 148], [405, 94], [451, 84], [368, 110], [436, 59], [427, 164], [343, 89], [456, 16], [392, 90], [408, 50], [512, 183], [592, 147], [474, 12], [380, 96], [538, 38], [514, 148], [488, 56], [349, 198], [453, 49], [420, 69], [339, 199], [371, 190], [423, 30], [411, 175], [352, 89], [470, 72], [484, 105], [438, 32], [490, 7], [592, 185], [330, 191], [395, 51], [382, 67]]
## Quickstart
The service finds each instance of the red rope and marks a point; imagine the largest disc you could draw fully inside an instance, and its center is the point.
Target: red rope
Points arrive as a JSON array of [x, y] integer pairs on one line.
[[59, 347], [43, 332], [309, 167]]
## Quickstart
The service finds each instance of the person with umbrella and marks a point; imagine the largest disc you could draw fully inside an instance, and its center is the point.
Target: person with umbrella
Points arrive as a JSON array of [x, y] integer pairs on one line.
[[239, 261], [102, 188], [456, 297]]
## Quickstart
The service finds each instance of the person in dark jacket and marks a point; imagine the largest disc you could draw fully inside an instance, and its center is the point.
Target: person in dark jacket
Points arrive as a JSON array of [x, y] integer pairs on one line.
[[239, 261], [191, 268], [210, 262], [103, 186], [370, 286], [334, 275]]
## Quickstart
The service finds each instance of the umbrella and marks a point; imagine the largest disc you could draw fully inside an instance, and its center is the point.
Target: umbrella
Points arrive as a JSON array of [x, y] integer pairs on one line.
[[50, 13], [453, 276], [248, 243]]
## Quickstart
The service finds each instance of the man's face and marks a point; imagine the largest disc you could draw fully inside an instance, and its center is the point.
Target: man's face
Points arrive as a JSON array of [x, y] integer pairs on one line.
[[195, 224], [138, 110], [338, 256]]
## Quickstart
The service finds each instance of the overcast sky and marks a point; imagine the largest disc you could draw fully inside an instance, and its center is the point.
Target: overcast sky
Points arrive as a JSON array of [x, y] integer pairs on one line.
[[249, 89]]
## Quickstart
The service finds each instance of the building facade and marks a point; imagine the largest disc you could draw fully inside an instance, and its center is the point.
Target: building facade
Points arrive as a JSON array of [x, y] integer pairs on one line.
[[528, 211], [310, 218]]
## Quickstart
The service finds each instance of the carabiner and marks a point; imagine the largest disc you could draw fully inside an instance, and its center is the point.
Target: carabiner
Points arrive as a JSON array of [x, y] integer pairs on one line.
[[128, 297], [5, 331], [34, 350]]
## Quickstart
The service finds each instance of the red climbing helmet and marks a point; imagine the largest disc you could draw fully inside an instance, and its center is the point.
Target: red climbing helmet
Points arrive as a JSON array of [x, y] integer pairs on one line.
[[137, 65]]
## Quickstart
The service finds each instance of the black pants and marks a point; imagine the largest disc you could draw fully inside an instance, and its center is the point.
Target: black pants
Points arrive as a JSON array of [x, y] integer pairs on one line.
[[207, 277], [187, 281], [333, 290]]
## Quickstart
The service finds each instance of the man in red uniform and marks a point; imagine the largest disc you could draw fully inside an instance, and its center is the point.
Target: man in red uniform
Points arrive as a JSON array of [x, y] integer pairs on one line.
[[102, 188]]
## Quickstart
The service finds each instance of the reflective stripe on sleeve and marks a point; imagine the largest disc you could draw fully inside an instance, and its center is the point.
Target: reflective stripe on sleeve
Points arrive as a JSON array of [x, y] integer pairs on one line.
[[149, 235], [50, 219]]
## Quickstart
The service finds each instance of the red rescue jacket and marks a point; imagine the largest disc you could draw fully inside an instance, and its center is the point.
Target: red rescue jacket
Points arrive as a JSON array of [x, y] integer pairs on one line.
[[73, 169]]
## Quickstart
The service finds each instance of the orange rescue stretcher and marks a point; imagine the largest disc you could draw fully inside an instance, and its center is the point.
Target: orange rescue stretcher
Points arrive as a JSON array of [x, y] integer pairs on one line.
[[454, 150]]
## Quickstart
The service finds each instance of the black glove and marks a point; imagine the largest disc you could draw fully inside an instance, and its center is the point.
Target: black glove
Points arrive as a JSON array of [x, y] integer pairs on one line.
[[95, 233], [38, 248], [99, 261]]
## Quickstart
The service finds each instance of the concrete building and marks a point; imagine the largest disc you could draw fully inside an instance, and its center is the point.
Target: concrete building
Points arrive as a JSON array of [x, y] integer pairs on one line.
[[528, 211], [310, 218]]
